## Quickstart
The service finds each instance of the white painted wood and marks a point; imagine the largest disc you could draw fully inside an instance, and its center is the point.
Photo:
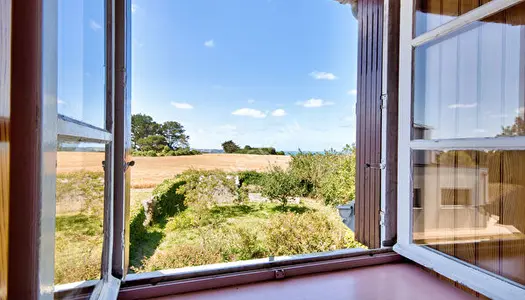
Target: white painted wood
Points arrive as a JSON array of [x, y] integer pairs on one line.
[[384, 129], [72, 130], [465, 274], [476, 14], [48, 148], [404, 194], [468, 275], [507, 143]]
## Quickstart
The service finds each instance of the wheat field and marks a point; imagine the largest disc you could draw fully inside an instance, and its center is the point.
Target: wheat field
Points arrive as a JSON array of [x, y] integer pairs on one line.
[[150, 171]]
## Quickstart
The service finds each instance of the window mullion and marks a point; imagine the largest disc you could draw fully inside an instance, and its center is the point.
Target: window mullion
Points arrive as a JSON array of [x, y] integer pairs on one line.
[[498, 143], [69, 129], [474, 15]]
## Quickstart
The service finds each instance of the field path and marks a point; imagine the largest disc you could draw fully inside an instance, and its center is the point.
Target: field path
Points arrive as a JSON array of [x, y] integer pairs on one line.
[[150, 171]]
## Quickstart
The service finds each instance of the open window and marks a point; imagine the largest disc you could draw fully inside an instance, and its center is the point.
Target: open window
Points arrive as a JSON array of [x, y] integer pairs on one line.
[[461, 150]]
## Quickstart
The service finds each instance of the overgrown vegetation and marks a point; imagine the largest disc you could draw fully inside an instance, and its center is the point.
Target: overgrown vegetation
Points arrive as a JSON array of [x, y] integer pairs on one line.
[[203, 217], [329, 176], [79, 232]]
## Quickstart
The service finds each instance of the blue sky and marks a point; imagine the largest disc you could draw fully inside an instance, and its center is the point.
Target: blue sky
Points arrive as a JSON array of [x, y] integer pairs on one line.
[[276, 73]]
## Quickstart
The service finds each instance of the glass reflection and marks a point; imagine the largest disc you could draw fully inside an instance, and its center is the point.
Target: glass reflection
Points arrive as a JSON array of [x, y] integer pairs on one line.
[[81, 60], [79, 212], [434, 13], [471, 205], [472, 83]]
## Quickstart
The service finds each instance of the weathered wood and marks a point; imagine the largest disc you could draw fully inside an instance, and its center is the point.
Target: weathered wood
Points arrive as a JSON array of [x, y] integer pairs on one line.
[[368, 141], [5, 77]]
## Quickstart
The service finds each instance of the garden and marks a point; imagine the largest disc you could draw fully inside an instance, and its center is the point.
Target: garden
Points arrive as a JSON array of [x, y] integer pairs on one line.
[[203, 217]]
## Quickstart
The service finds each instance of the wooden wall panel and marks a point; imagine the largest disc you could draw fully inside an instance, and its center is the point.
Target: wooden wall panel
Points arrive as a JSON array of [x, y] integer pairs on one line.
[[5, 72], [368, 138]]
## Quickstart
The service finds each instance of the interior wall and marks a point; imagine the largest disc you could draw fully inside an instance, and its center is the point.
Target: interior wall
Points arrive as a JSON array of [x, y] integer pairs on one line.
[[5, 46]]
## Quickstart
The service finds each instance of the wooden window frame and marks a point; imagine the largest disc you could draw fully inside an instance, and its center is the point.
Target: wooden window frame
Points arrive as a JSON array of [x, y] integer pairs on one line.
[[473, 277]]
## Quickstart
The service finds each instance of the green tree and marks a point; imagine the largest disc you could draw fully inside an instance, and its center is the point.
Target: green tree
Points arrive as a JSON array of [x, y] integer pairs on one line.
[[175, 135], [142, 126], [230, 147], [280, 185], [152, 143], [516, 129]]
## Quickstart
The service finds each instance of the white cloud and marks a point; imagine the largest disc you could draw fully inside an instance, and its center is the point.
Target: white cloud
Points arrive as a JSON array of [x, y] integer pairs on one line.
[[180, 105], [463, 105], [279, 113], [249, 112], [61, 102], [134, 8], [323, 75], [209, 44], [352, 92], [251, 101], [310, 103], [94, 25]]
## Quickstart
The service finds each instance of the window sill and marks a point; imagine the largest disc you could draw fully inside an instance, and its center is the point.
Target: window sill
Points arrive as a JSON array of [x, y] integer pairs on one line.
[[490, 285], [171, 282]]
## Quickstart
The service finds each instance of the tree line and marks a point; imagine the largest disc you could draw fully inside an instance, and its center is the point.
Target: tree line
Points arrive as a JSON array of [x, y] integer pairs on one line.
[[150, 138], [231, 147]]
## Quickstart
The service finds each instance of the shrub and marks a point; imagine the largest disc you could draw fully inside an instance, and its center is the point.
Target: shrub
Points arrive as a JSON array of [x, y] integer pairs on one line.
[[167, 199], [151, 153], [289, 234], [203, 189], [329, 175], [251, 177], [279, 185]]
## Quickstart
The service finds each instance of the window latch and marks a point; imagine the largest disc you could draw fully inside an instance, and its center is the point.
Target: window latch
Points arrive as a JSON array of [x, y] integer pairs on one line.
[[379, 166]]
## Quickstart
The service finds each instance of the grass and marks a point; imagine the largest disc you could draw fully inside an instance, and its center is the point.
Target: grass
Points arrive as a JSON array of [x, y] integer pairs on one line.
[[238, 232], [188, 236]]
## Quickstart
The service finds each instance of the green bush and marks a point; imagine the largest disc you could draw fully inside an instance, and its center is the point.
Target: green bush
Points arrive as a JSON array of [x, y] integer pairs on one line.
[[203, 188], [280, 185], [166, 151], [311, 232], [329, 175], [251, 177], [168, 201]]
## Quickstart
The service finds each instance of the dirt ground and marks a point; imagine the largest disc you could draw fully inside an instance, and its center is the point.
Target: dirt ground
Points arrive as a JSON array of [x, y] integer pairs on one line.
[[150, 171]]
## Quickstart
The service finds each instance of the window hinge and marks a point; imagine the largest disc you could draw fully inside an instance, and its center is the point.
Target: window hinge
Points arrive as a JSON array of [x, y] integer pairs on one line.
[[381, 218], [384, 98]]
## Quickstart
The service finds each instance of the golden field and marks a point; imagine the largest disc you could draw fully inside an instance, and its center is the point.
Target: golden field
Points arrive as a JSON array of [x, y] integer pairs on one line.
[[150, 171]]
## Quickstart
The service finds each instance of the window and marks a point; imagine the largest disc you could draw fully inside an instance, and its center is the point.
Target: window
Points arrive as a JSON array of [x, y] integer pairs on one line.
[[242, 129], [83, 139], [462, 111]]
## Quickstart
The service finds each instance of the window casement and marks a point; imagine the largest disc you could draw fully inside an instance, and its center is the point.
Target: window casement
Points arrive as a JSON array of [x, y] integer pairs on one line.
[[461, 150]]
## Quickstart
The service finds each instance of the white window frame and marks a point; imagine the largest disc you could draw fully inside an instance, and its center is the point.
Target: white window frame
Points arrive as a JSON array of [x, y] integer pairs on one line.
[[59, 128], [479, 280]]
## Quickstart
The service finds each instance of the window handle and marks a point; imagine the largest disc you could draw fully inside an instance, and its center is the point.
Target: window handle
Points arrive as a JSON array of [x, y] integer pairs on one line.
[[128, 164]]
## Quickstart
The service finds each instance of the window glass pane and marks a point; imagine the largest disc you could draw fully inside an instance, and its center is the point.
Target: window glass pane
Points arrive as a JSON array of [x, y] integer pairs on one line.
[[472, 83], [79, 212], [433, 13], [472, 206], [81, 60], [220, 112]]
